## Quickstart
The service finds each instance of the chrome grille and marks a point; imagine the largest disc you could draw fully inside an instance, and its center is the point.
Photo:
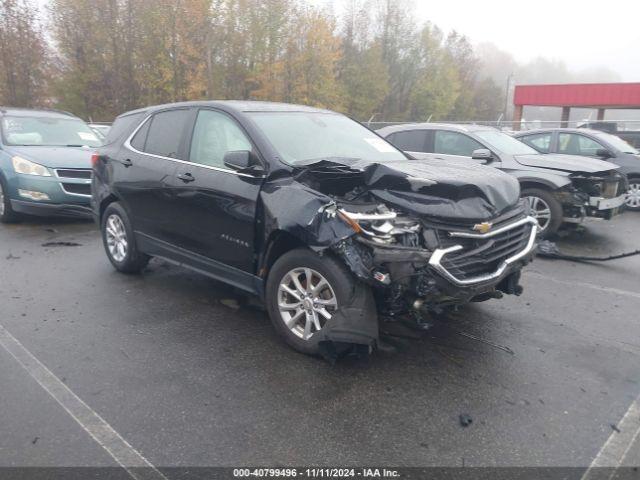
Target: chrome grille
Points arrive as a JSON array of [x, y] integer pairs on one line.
[[82, 173], [481, 257]]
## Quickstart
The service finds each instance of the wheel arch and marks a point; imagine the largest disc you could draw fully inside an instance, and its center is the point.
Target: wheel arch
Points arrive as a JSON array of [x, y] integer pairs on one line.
[[278, 243], [105, 202]]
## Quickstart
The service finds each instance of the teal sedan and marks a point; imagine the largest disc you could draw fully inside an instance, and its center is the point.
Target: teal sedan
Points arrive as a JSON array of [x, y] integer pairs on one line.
[[45, 164]]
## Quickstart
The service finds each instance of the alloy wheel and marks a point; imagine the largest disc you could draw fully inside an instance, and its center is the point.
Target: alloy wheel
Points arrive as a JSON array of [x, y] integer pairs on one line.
[[540, 210], [116, 238], [633, 196], [306, 301]]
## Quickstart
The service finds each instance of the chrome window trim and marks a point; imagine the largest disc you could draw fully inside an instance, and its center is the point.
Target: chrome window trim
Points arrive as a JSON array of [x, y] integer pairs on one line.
[[439, 254], [128, 146]]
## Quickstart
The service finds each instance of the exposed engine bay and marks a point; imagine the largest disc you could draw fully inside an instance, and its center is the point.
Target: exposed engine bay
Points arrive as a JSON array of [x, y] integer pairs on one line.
[[598, 195], [427, 236]]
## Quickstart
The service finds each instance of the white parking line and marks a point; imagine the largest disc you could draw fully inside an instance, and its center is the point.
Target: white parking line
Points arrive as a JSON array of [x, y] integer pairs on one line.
[[617, 446], [124, 454], [616, 291]]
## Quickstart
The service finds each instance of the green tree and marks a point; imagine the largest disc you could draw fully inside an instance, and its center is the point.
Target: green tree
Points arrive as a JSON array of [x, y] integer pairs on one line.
[[24, 59]]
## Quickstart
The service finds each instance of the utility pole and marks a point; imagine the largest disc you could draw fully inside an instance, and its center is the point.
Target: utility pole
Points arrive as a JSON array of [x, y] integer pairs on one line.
[[506, 95]]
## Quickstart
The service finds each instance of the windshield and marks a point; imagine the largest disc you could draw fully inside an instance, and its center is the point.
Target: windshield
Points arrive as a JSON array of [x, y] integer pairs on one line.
[[504, 143], [48, 131], [300, 137], [617, 143]]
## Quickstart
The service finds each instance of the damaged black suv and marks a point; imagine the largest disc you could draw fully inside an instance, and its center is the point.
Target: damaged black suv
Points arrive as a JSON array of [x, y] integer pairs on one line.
[[337, 230]]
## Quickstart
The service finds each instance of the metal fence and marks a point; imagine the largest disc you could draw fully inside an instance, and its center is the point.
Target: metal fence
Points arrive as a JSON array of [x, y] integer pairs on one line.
[[606, 125]]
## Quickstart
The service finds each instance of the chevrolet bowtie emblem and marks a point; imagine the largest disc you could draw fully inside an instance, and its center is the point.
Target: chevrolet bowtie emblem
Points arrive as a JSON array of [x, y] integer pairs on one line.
[[483, 227]]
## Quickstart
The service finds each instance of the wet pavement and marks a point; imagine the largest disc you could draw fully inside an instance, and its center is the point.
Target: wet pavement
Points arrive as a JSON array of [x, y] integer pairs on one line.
[[189, 373]]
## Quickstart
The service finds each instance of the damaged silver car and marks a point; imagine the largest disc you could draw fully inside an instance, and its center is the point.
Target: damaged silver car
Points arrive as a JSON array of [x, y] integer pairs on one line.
[[339, 232]]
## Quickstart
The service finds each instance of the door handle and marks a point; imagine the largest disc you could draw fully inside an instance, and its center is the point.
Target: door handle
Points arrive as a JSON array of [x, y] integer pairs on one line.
[[186, 177], [127, 162]]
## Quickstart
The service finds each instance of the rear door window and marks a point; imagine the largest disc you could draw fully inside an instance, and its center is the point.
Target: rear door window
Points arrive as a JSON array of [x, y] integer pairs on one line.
[[540, 141], [410, 141], [166, 133], [454, 143]]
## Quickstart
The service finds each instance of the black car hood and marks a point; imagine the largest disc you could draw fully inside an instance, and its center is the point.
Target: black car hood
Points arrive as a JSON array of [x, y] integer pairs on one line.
[[445, 190], [565, 163]]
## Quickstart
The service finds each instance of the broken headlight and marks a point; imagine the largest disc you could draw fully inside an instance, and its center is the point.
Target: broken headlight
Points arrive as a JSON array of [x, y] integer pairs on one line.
[[384, 226]]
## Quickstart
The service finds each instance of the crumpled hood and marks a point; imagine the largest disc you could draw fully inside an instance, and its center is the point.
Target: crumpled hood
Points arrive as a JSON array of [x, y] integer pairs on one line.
[[443, 189], [566, 163], [56, 157]]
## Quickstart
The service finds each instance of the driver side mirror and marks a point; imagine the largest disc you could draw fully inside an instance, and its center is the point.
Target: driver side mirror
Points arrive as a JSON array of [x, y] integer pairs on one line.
[[483, 154], [604, 153], [242, 161]]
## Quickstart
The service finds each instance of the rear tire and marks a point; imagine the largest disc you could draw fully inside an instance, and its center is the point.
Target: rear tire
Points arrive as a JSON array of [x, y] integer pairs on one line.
[[119, 241], [633, 195], [331, 286], [546, 209], [7, 215]]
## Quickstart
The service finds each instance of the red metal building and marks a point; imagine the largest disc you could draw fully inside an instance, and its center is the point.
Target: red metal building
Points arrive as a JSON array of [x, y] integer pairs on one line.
[[601, 96]]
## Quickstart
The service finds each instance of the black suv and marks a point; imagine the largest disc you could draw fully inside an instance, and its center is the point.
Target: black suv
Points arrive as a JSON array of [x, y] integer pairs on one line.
[[331, 225]]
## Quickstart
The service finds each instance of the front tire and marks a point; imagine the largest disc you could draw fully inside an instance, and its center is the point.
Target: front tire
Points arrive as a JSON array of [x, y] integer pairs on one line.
[[7, 215], [633, 195], [546, 209], [303, 291], [119, 241]]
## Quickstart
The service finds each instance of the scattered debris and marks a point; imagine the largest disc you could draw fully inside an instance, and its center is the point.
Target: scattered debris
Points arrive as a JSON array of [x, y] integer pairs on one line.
[[61, 244], [482, 340], [35, 440], [12, 257], [615, 428], [549, 249], [51, 230], [465, 420]]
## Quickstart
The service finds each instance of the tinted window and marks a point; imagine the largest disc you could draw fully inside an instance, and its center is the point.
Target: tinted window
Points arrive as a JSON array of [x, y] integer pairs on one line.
[[540, 141], [122, 125], [214, 135], [140, 137], [454, 143], [410, 141], [165, 133], [575, 144]]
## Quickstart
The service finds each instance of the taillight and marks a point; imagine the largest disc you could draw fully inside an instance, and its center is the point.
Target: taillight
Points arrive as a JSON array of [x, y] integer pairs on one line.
[[95, 158]]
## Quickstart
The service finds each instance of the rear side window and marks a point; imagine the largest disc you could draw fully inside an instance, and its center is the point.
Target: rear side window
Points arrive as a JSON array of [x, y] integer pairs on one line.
[[121, 126], [540, 141], [140, 138], [410, 141], [165, 133]]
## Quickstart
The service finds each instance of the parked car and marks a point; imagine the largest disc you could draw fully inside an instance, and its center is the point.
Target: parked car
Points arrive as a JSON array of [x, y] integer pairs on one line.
[[331, 225], [558, 188], [594, 144], [45, 164], [632, 137]]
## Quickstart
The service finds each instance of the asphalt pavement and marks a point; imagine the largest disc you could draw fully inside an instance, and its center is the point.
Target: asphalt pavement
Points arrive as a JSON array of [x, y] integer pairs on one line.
[[190, 373]]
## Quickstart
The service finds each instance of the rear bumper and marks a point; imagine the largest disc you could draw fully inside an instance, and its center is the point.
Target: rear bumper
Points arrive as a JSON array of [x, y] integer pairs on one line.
[[52, 210]]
